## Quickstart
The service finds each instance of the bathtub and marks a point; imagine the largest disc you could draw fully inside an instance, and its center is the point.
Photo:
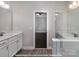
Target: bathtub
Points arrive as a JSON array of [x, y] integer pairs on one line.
[[68, 47]]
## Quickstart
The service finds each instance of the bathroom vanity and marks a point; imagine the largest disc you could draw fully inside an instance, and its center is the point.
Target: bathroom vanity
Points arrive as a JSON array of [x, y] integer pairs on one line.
[[10, 44]]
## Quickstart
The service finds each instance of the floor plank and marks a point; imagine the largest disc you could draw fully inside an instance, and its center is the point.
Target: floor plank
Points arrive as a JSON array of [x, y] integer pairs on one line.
[[38, 52]]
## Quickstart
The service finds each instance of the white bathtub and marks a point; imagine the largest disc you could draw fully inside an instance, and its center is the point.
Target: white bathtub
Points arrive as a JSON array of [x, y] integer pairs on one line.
[[66, 47]]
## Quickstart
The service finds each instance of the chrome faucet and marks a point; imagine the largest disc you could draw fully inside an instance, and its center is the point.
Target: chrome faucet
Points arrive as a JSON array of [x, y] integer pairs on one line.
[[2, 33], [75, 35]]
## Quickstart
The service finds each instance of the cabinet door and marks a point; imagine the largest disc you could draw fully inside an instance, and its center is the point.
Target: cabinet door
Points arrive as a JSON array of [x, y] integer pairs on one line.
[[19, 43], [12, 48], [4, 51]]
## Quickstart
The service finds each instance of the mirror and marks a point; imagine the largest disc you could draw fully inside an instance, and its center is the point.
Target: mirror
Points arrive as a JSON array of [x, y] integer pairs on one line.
[[73, 21], [5, 20], [59, 25], [67, 24]]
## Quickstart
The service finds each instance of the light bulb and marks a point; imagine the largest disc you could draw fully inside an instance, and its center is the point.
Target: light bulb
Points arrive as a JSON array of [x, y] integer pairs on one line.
[[56, 14], [37, 14], [74, 4], [70, 6], [7, 6], [1, 3], [4, 5], [78, 3]]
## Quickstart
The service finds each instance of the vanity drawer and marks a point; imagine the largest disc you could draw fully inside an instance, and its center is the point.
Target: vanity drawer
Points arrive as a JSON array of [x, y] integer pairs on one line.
[[3, 43], [13, 39], [19, 36]]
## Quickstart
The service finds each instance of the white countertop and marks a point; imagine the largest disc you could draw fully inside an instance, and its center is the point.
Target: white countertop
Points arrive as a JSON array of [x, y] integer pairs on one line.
[[55, 39], [68, 40], [9, 35]]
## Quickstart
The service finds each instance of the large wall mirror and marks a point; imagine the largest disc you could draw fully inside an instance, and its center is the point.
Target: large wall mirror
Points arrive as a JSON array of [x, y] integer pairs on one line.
[[73, 21], [5, 20], [67, 24]]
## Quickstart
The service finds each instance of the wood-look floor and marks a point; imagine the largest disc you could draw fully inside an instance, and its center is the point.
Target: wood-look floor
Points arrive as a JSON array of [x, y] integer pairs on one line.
[[38, 52]]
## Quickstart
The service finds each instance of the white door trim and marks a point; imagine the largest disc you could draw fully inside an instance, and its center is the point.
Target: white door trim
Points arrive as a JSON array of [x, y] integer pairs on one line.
[[34, 27]]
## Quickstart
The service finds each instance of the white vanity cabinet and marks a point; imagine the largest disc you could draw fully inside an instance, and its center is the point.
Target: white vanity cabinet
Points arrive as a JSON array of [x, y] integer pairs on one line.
[[3, 49], [19, 42], [10, 46]]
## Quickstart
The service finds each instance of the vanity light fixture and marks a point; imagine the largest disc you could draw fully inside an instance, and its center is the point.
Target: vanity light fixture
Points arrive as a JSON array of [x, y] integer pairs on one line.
[[74, 4], [56, 14], [4, 5], [70, 6], [37, 14]]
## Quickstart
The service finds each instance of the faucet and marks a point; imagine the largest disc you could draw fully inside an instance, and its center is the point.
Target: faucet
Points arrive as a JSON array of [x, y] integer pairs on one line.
[[2, 33], [75, 35]]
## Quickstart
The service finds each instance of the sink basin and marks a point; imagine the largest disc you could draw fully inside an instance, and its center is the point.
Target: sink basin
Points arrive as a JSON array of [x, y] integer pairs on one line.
[[2, 33]]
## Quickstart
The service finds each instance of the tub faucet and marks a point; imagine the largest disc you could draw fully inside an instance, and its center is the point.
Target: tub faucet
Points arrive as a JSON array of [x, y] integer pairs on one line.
[[75, 35]]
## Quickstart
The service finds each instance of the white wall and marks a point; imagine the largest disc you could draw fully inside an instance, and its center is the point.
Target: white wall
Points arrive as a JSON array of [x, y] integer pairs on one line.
[[23, 18]]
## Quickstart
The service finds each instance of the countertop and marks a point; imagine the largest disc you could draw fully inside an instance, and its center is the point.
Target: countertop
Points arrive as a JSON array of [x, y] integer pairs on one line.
[[66, 39], [9, 35]]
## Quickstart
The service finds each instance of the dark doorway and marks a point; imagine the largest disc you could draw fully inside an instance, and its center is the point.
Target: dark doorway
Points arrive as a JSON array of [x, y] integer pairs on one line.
[[40, 30]]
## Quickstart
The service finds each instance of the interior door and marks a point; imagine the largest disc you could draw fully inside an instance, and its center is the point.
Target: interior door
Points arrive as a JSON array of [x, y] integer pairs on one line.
[[41, 30]]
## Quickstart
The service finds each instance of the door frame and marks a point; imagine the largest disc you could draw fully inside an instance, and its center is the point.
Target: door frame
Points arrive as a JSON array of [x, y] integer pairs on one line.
[[34, 27]]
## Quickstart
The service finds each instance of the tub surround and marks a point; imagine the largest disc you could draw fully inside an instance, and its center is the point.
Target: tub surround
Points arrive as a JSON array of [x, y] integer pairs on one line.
[[65, 47], [56, 47]]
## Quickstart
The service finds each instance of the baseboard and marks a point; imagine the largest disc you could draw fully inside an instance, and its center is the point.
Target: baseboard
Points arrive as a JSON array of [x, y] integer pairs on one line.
[[49, 47], [31, 47], [28, 47]]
